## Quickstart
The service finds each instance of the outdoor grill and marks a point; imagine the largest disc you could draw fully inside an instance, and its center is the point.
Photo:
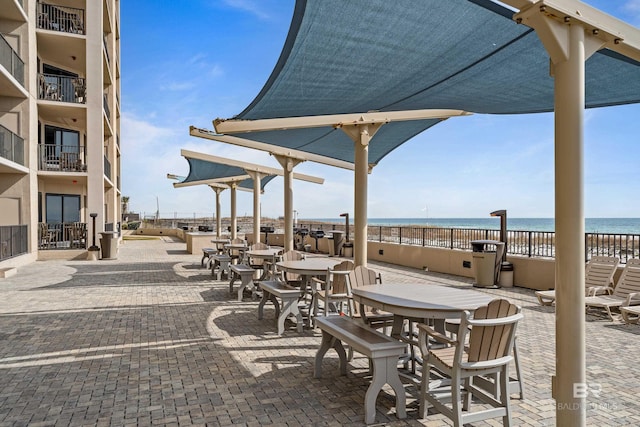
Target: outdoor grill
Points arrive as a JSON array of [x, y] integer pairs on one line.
[[266, 229], [316, 234]]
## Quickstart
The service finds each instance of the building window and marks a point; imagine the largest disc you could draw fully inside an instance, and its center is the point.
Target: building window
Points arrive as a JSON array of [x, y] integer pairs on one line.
[[62, 208]]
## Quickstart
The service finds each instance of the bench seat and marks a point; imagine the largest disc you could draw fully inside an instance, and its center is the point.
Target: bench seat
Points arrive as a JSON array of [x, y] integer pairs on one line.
[[245, 273], [206, 254], [382, 350], [220, 265], [272, 290]]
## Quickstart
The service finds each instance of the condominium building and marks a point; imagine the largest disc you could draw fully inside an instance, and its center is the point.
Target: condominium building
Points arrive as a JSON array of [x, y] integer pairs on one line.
[[59, 126]]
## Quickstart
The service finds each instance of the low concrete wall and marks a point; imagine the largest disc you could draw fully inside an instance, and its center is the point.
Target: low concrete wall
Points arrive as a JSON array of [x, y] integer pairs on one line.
[[532, 273]]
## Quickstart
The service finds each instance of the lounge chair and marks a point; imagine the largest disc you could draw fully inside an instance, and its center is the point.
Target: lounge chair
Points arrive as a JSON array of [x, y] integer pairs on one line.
[[491, 333], [598, 279], [626, 292], [631, 314]]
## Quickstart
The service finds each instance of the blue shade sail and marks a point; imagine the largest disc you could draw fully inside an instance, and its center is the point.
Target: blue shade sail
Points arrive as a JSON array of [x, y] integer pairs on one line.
[[364, 55], [202, 170]]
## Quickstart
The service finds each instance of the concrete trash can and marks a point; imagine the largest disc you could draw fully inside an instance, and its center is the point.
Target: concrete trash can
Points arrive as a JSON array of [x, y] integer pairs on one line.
[[109, 245], [338, 241], [332, 248], [348, 250], [486, 262], [506, 275]]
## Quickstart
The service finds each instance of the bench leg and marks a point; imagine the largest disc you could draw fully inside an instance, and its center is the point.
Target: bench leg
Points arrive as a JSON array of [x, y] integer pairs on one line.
[[385, 371], [289, 306], [328, 341], [245, 280], [266, 296], [232, 278], [203, 258]]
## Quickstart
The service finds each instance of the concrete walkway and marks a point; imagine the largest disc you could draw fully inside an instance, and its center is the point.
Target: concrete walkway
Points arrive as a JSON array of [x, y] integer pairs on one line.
[[151, 339]]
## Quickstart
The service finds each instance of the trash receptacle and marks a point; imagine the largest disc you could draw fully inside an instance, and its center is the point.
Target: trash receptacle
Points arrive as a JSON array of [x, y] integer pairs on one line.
[[487, 256], [109, 245], [338, 241], [348, 249], [332, 249], [506, 274]]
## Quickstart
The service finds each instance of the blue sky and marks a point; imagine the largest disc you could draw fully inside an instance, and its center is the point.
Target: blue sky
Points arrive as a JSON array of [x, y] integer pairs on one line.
[[187, 62]]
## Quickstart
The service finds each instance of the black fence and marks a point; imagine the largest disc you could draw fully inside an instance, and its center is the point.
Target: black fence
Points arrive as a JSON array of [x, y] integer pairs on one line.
[[13, 241], [524, 243]]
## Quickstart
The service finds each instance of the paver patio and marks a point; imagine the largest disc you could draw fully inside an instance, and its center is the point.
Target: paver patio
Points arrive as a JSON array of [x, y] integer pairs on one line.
[[151, 339]]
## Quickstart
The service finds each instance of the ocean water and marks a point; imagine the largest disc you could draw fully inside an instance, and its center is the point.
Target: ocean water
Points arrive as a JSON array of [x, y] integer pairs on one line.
[[592, 225]]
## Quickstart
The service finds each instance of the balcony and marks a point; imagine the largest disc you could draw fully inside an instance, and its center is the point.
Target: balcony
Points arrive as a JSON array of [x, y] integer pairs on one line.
[[107, 168], [61, 158], [60, 18], [10, 60], [11, 146], [62, 88], [62, 235], [13, 241]]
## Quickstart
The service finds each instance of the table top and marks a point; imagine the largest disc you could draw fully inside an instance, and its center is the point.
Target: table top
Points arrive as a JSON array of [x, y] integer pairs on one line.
[[309, 266], [421, 300], [265, 253], [236, 246], [220, 240]]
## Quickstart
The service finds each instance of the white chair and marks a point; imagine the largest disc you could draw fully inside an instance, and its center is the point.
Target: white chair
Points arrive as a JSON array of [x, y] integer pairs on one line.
[[491, 333], [333, 291], [626, 292], [598, 279]]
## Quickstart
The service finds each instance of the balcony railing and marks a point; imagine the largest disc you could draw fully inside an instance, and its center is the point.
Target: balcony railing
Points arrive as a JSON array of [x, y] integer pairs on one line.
[[107, 167], [62, 88], [13, 241], [105, 104], [62, 235], [11, 146], [10, 60], [61, 158], [60, 18], [106, 48]]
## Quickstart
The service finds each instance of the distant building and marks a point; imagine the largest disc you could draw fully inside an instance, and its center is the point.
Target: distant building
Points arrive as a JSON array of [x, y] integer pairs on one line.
[[59, 124]]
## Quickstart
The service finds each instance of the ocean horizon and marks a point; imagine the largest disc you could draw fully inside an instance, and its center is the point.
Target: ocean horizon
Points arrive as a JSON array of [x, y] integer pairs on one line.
[[592, 225]]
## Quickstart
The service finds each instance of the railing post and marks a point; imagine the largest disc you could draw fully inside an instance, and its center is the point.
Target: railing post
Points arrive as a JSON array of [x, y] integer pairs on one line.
[[451, 238], [530, 243], [424, 230]]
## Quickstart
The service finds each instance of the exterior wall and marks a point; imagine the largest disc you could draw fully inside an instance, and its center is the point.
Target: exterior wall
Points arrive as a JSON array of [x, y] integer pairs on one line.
[[93, 56]]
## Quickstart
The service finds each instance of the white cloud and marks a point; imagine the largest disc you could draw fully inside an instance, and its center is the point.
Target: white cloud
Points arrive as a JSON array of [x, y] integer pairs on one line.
[[250, 6]]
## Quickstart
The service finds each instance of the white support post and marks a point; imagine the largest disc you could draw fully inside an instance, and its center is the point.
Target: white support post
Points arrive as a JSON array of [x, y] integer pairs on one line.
[[570, 248], [234, 219], [257, 179], [288, 164], [361, 135], [569, 44], [218, 210]]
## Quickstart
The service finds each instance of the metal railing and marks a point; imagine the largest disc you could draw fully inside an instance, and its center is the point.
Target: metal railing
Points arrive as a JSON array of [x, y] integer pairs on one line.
[[11, 146], [60, 18], [10, 60], [61, 158], [105, 104], [13, 241], [539, 244], [107, 167], [106, 48], [62, 235], [62, 88]]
